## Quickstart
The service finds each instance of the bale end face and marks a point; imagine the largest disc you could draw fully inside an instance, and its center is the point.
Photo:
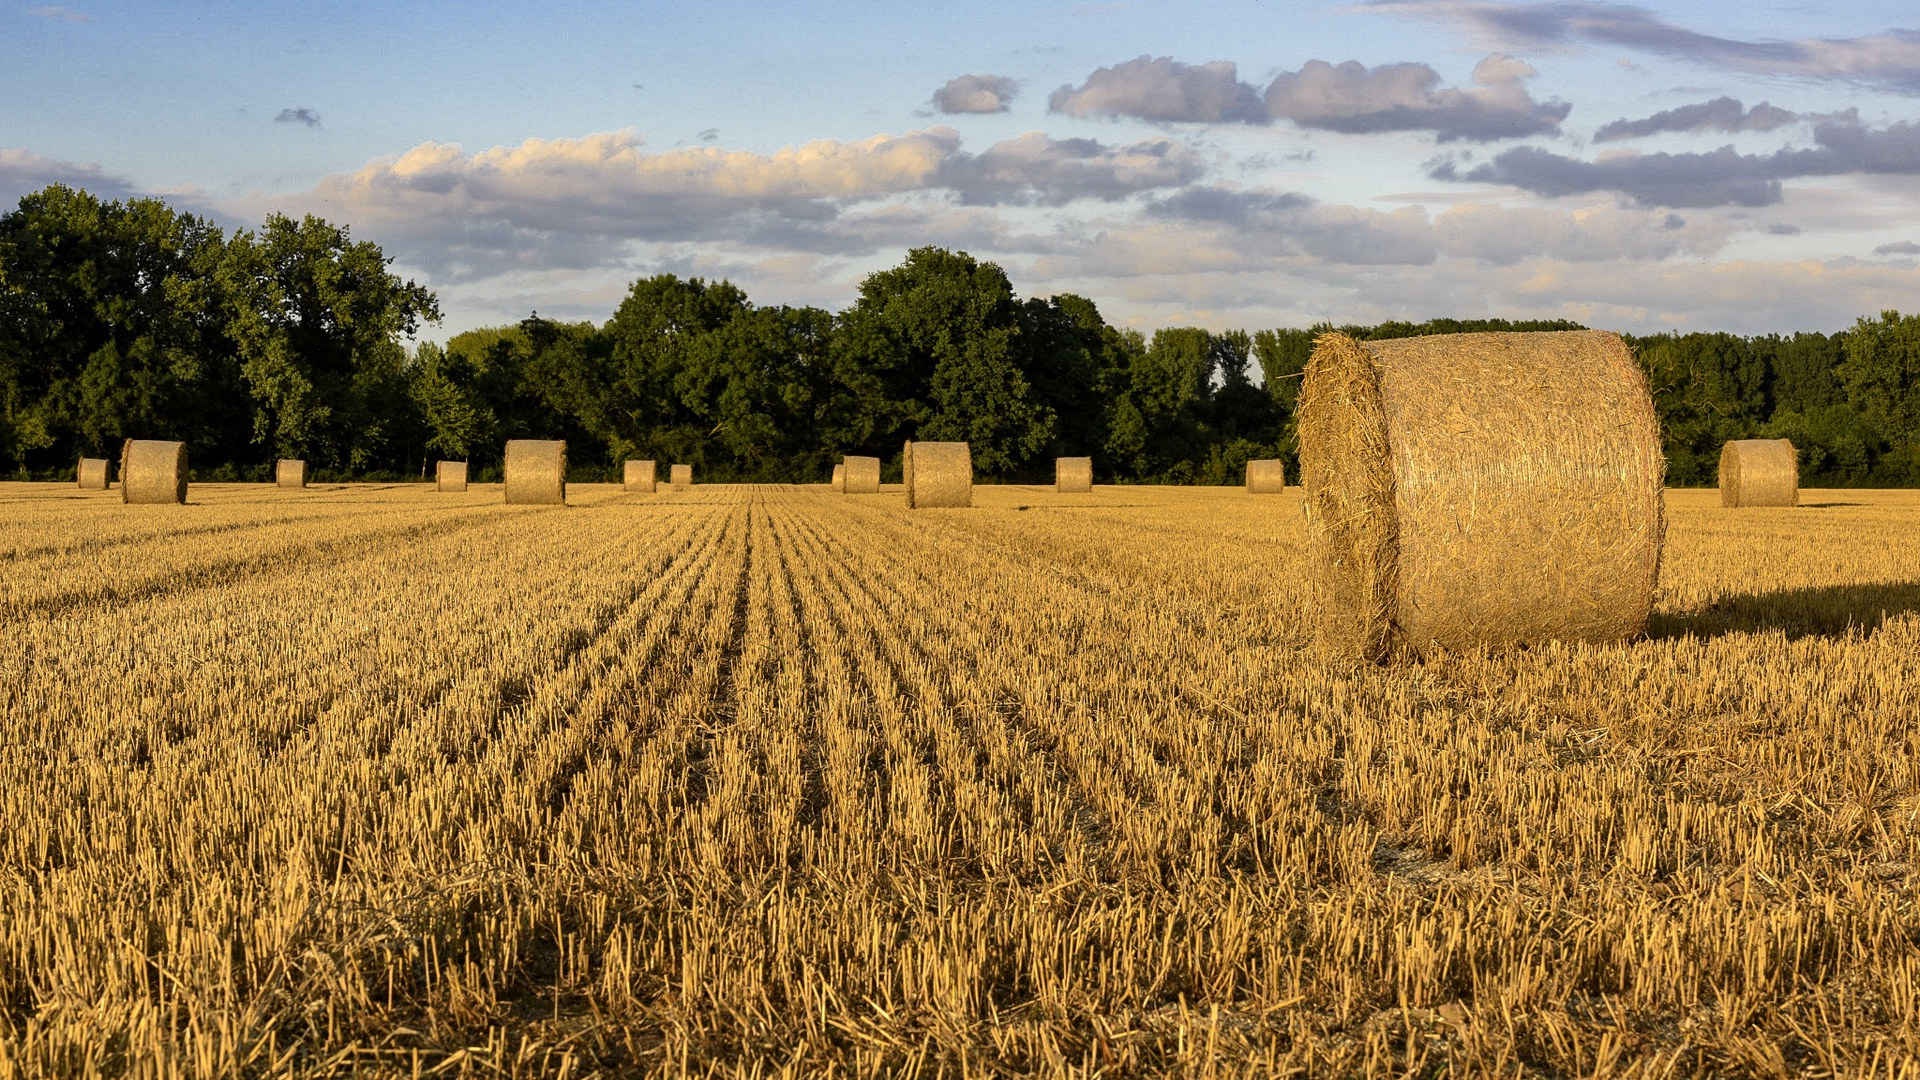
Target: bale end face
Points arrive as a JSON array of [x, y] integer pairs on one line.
[[536, 472], [450, 476], [153, 471], [681, 477], [839, 481], [860, 475], [91, 474], [1477, 490], [638, 476], [1759, 472], [289, 473], [1073, 475], [938, 474], [1266, 476]]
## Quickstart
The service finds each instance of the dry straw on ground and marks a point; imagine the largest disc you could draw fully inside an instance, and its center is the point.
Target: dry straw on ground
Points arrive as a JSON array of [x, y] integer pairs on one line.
[[92, 474], [289, 473], [1266, 476], [1759, 472], [681, 477], [839, 481], [1480, 489], [862, 476], [450, 476], [938, 474], [153, 471], [638, 477], [536, 471], [1072, 475]]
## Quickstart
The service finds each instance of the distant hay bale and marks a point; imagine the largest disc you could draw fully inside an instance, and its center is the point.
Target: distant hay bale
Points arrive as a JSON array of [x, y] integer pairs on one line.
[[1759, 472], [938, 474], [861, 475], [681, 477], [450, 476], [839, 480], [1266, 476], [1072, 475], [639, 477], [536, 471], [289, 473], [92, 474], [153, 472], [1480, 489]]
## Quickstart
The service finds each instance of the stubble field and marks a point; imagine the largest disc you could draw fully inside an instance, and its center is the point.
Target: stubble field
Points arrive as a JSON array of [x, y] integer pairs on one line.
[[373, 780]]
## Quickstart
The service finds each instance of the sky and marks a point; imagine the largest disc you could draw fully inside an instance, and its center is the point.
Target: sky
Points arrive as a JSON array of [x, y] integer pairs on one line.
[[1244, 164]]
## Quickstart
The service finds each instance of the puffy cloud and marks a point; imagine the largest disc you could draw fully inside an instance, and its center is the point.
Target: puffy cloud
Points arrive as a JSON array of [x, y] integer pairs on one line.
[[1890, 59], [975, 94], [59, 14], [1720, 114], [1163, 89], [1353, 98], [23, 172], [1035, 168], [1721, 177], [301, 115], [1898, 247]]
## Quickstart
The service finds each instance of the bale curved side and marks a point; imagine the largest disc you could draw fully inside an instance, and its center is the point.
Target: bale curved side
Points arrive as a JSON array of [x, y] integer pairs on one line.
[[1481, 489], [536, 471], [1759, 472], [839, 481], [681, 477], [638, 476], [450, 476], [288, 473], [939, 474], [153, 472], [1266, 476], [1072, 475], [91, 474], [861, 475]]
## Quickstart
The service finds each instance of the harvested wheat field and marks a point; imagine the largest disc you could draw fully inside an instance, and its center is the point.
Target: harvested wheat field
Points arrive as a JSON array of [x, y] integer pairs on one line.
[[367, 780]]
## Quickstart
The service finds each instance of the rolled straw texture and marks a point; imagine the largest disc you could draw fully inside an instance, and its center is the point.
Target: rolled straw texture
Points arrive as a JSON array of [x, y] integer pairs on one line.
[[639, 476], [450, 476], [1266, 476], [536, 471], [939, 474], [92, 474], [681, 476], [862, 476], [289, 473], [1072, 475], [839, 480], [153, 472], [1759, 472], [1480, 489]]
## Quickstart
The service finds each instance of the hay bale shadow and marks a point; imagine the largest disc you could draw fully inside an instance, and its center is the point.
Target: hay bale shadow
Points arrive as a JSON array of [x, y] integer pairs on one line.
[[1826, 611], [1828, 505]]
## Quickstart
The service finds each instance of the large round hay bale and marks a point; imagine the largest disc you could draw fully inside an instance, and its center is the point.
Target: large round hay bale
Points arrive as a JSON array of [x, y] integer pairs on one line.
[[938, 474], [681, 477], [1759, 472], [153, 471], [536, 471], [638, 477], [839, 481], [1073, 475], [861, 475], [450, 476], [289, 473], [1480, 489], [1266, 476], [92, 474]]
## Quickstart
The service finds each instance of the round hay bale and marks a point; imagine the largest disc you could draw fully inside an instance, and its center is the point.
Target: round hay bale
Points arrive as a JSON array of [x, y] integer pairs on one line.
[[839, 481], [1759, 472], [938, 474], [153, 471], [92, 474], [1480, 489], [1266, 476], [681, 477], [450, 476], [289, 473], [1073, 475], [638, 476], [536, 471], [861, 475]]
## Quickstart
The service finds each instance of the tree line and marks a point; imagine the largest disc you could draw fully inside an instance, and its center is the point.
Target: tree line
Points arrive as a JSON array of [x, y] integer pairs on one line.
[[133, 319]]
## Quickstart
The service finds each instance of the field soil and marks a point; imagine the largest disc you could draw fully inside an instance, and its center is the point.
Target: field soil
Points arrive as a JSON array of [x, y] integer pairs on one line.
[[372, 780]]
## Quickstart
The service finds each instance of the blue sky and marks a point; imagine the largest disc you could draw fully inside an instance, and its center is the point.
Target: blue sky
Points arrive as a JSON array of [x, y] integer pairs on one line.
[[1251, 164]]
